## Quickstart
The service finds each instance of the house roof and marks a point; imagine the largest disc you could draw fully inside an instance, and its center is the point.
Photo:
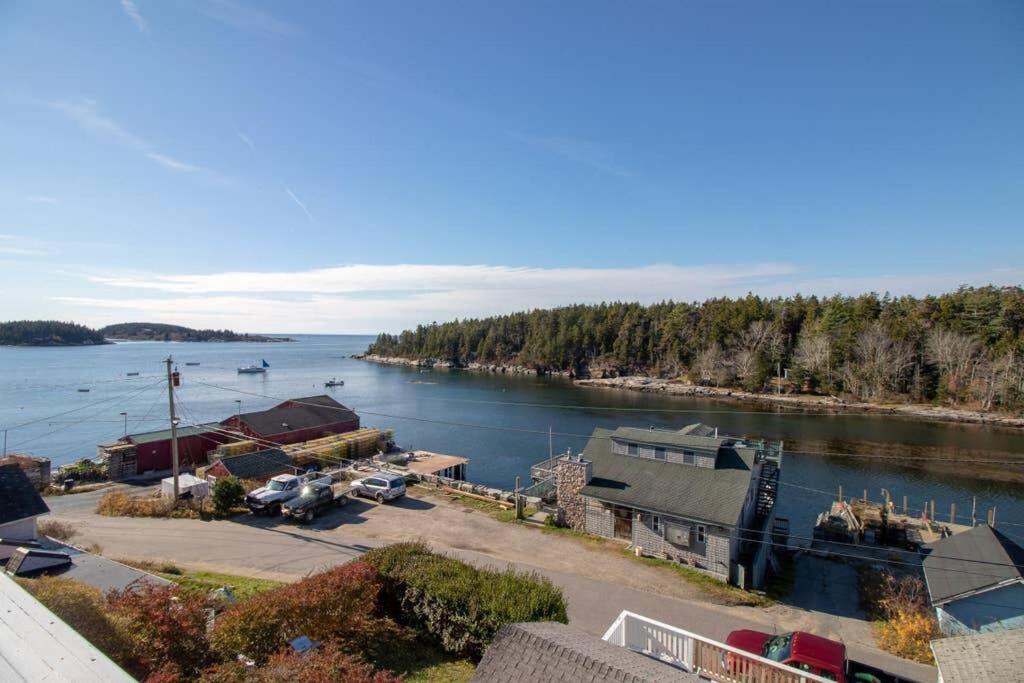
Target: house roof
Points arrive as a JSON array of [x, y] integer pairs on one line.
[[665, 437], [701, 493], [35, 645], [971, 561], [983, 658], [548, 651], [165, 434], [298, 413], [258, 464], [95, 570], [20, 498]]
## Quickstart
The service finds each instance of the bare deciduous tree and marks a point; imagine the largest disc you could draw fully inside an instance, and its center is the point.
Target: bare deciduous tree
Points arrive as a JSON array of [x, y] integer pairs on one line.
[[710, 366], [879, 363], [812, 353], [957, 356]]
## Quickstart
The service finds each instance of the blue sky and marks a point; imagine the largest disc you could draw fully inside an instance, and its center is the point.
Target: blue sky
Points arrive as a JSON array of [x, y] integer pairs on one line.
[[352, 167]]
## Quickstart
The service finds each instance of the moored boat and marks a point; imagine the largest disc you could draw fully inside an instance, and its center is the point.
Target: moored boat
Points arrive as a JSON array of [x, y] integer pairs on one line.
[[254, 369], [335, 383]]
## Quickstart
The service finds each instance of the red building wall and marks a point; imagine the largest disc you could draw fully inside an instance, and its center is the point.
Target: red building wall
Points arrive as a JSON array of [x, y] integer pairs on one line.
[[156, 455]]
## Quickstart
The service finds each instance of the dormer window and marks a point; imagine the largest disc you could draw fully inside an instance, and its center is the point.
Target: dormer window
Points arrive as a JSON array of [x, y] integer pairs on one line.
[[631, 449], [659, 453], [688, 457]]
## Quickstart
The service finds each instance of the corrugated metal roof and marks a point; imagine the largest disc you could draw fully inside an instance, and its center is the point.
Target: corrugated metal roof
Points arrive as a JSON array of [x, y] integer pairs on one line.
[[984, 658], [971, 561], [701, 493], [35, 645], [164, 434]]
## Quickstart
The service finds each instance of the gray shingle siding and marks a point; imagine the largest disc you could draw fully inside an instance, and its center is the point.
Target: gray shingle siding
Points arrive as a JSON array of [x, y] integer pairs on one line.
[[717, 550], [599, 520]]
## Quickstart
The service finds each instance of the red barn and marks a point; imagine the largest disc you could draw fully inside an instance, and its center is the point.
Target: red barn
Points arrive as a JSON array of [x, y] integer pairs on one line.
[[136, 454], [294, 421]]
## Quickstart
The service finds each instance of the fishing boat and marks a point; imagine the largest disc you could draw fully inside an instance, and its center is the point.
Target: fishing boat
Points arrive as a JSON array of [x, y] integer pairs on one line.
[[133, 374], [191, 363], [335, 383], [254, 369], [84, 391]]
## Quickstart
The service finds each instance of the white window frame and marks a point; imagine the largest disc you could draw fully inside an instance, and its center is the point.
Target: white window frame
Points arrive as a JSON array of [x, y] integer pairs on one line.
[[664, 453], [702, 533], [633, 449], [656, 524], [689, 457]]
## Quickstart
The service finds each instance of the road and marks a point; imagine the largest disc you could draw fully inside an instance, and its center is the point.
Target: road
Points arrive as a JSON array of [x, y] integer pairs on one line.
[[597, 584]]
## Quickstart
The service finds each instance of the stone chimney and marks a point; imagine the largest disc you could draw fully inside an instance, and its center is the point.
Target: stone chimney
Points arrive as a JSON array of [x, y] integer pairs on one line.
[[572, 473]]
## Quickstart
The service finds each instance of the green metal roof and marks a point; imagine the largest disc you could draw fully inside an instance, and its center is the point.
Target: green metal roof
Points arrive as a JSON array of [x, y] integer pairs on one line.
[[164, 434], [700, 493], [664, 437]]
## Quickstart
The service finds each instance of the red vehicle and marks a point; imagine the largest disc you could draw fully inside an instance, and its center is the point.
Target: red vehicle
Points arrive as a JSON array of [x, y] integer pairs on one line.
[[807, 652]]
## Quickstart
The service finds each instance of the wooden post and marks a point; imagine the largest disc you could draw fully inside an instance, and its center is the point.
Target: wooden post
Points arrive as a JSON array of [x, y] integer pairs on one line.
[[904, 505], [993, 516], [840, 493], [865, 496], [933, 509], [974, 511], [952, 513], [519, 501]]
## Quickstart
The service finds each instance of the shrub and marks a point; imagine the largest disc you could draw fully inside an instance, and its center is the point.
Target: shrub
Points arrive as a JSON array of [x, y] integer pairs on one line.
[[227, 493], [83, 608], [61, 531], [906, 624], [327, 664], [459, 605], [339, 604], [167, 628], [120, 504]]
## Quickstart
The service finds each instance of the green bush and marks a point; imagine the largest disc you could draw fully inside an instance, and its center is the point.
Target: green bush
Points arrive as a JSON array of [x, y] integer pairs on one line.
[[227, 493], [459, 605]]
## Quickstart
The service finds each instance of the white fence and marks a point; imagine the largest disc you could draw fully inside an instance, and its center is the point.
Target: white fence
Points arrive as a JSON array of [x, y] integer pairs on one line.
[[700, 655]]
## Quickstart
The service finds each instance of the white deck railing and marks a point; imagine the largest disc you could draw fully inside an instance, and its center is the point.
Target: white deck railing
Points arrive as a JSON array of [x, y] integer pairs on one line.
[[700, 655]]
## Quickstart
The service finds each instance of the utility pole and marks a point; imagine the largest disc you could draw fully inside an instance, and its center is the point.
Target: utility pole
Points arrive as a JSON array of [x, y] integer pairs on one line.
[[5, 443], [174, 428], [778, 384], [125, 416], [551, 447]]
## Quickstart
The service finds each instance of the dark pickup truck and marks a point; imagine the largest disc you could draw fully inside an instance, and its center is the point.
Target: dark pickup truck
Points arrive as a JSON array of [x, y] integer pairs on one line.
[[314, 498]]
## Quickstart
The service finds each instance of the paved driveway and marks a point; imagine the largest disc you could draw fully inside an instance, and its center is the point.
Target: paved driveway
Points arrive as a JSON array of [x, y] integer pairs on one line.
[[598, 584]]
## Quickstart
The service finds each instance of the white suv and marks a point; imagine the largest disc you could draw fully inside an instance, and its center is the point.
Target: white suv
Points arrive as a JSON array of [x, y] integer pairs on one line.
[[381, 486]]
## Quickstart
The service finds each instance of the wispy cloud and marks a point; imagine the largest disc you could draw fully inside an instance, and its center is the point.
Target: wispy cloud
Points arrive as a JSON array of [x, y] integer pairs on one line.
[[370, 298], [40, 199], [86, 114], [302, 206], [132, 11], [248, 19], [245, 138], [584, 152], [15, 245], [172, 164]]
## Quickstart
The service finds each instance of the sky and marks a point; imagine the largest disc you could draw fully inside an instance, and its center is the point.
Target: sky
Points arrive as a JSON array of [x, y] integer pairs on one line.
[[367, 166]]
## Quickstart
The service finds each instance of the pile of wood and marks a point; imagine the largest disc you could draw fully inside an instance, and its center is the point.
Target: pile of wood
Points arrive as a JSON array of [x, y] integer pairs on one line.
[[355, 445]]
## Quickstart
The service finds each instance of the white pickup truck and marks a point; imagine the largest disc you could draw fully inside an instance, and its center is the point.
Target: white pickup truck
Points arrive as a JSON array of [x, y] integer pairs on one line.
[[281, 489]]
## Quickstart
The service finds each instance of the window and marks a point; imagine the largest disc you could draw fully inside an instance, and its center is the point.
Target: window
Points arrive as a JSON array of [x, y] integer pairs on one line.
[[655, 524], [701, 534], [659, 453], [688, 457], [632, 449]]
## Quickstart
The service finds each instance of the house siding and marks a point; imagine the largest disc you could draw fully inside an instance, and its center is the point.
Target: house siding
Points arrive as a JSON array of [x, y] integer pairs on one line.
[[717, 547], [598, 520]]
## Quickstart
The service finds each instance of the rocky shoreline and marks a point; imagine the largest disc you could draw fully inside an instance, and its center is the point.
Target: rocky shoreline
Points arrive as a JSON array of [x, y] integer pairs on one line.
[[794, 402]]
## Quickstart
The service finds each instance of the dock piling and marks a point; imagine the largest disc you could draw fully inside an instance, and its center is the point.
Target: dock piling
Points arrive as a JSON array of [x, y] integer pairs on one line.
[[904, 505], [952, 513]]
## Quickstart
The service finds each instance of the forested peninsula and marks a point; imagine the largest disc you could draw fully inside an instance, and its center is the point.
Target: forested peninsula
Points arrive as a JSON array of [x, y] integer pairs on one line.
[[163, 332], [963, 349], [47, 333]]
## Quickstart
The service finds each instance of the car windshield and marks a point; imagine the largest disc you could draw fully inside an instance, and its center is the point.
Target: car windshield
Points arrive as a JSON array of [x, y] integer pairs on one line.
[[397, 483], [275, 485], [777, 648]]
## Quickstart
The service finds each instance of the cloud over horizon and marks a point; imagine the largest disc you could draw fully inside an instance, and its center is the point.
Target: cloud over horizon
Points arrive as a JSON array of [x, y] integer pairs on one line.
[[362, 298]]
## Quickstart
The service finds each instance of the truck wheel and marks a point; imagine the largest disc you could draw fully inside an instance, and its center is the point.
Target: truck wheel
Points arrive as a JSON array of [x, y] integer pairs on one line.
[[380, 498], [343, 501], [274, 510], [308, 517]]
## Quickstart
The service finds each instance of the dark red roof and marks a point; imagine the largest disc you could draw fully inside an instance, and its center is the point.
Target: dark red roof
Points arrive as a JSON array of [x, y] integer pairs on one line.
[[298, 413]]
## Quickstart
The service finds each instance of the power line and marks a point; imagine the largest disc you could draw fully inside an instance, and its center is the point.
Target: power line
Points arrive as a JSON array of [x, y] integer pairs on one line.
[[75, 410]]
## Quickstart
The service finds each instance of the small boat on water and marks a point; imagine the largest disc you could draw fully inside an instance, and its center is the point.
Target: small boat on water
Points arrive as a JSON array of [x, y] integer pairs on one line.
[[254, 369], [132, 374], [191, 363], [84, 391], [335, 383]]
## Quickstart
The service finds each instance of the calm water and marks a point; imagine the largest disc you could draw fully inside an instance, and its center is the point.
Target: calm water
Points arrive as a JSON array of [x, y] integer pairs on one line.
[[39, 383]]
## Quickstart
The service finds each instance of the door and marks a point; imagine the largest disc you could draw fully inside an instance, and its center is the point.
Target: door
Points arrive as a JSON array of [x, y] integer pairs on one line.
[[623, 518]]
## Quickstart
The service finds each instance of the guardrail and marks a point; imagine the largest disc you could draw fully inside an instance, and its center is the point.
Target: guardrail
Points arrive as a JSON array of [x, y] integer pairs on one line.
[[697, 654]]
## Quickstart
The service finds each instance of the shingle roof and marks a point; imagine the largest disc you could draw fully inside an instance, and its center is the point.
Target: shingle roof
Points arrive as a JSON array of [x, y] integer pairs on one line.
[[984, 658], [664, 437], [298, 413], [165, 434], [19, 497], [544, 652], [258, 464], [971, 561], [701, 493]]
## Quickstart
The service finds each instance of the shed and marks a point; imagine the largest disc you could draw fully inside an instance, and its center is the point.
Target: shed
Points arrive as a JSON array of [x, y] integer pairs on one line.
[[259, 465], [20, 504], [187, 483], [976, 581]]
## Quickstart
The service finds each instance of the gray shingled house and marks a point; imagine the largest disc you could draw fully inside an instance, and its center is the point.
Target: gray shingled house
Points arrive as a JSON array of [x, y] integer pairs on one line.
[[690, 495]]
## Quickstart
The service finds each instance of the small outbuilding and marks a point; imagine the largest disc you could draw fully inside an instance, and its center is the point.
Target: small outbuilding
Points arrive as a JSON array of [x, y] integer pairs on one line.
[[258, 465], [20, 504], [187, 485], [976, 582]]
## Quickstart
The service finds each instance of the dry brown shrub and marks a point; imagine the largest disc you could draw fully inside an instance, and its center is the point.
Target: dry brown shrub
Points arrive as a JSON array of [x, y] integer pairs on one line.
[[61, 531], [120, 504]]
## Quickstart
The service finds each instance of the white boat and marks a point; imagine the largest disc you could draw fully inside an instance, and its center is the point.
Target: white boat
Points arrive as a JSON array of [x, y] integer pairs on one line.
[[254, 369], [335, 383]]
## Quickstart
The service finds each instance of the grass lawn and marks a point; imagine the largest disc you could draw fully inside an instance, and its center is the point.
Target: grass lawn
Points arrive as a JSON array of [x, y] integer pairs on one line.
[[426, 663], [193, 580]]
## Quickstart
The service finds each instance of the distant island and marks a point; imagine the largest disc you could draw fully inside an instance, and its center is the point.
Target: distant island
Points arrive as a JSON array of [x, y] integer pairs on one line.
[[177, 333], [56, 333], [48, 333]]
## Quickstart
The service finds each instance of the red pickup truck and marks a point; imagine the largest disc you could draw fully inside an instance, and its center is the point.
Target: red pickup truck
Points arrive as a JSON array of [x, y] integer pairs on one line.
[[810, 653]]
